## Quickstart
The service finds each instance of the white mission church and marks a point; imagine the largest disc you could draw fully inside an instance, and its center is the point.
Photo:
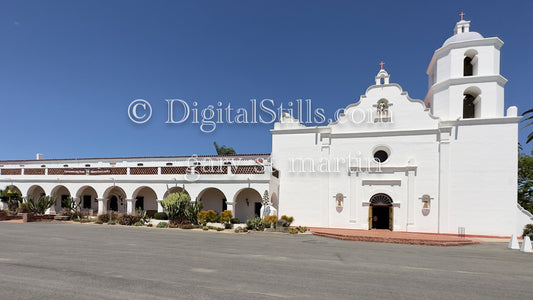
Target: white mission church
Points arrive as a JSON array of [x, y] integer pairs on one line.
[[445, 163]]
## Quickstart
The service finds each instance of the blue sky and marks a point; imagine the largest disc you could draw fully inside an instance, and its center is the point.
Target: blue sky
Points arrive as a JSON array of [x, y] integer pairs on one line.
[[69, 69]]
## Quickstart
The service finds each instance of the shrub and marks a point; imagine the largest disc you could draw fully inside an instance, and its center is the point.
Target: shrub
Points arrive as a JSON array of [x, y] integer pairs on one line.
[[212, 216], [111, 223], [270, 221], [225, 217], [219, 229], [254, 224], [23, 208], [103, 218], [187, 226], [293, 231], [160, 216], [178, 221], [40, 205], [98, 222], [162, 225], [205, 228], [192, 211], [240, 229], [235, 221], [528, 230], [175, 204], [142, 216], [302, 229], [128, 220], [288, 220], [202, 217], [138, 223]]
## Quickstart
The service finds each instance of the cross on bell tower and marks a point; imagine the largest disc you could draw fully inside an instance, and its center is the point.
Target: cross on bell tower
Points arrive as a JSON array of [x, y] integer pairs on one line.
[[382, 74]]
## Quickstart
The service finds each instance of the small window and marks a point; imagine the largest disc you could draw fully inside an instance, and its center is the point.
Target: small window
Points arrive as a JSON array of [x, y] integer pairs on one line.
[[65, 166], [169, 164], [43, 166], [381, 156], [87, 165], [140, 164]]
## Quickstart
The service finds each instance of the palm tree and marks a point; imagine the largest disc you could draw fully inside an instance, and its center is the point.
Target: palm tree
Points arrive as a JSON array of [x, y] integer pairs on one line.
[[530, 111]]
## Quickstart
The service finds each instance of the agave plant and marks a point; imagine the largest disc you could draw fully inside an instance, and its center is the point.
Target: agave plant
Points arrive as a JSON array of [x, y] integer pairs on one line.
[[528, 112], [40, 205]]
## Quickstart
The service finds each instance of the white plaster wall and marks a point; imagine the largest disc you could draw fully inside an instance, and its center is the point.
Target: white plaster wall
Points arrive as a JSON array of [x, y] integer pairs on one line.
[[483, 181]]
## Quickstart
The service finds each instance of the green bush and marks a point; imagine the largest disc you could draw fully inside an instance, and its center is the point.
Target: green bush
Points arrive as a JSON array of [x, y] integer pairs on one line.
[[202, 217], [192, 211], [255, 224], [98, 222], [219, 229], [187, 226], [160, 216], [293, 231], [288, 220], [528, 230], [139, 223], [111, 223], [212, 216], [205, 228], [225, 217], [162, 225], [270, 221], [302, 229], [176, 204], [235, 221]]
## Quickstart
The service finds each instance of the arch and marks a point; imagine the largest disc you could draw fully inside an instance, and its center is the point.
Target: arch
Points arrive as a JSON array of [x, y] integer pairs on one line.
[[14, 196], [470, 63], [61, 192], [380, 212], [275, 201], [213, 199], [174, 189], [116, 199], [35, 192], [247, 204], [145, 199], [13, 189], [87, 195], [471, 102]]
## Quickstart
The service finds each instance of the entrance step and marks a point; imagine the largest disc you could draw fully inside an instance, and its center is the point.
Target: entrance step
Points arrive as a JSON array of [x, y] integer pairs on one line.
[[385, 236]]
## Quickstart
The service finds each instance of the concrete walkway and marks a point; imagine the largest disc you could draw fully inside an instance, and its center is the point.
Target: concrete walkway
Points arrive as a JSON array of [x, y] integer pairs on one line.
[[395, 237]]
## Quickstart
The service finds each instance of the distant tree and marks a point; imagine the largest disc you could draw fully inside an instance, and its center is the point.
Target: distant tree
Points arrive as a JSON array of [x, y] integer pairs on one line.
[[223, 150], [525, 181], [530, 117]]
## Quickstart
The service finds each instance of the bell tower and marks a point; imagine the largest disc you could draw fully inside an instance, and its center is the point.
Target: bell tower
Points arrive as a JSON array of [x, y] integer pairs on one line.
[[464, 76]]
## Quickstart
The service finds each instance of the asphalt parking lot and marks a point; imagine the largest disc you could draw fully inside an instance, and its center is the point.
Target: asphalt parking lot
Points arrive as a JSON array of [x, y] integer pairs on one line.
[[88, 261]]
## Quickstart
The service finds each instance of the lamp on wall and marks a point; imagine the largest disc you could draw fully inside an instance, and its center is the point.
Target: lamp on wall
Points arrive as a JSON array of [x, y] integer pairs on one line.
[[247, 202]]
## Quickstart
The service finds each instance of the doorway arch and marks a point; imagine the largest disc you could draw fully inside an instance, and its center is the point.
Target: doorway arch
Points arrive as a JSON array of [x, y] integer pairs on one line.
[[380, 212]]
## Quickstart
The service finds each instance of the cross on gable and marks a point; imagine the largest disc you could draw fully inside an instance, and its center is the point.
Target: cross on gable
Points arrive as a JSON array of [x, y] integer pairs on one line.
[[381, 64], [462, 14]]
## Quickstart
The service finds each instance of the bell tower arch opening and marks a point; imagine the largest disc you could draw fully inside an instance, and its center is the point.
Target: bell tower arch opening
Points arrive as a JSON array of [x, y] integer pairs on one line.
[[472, 103]]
